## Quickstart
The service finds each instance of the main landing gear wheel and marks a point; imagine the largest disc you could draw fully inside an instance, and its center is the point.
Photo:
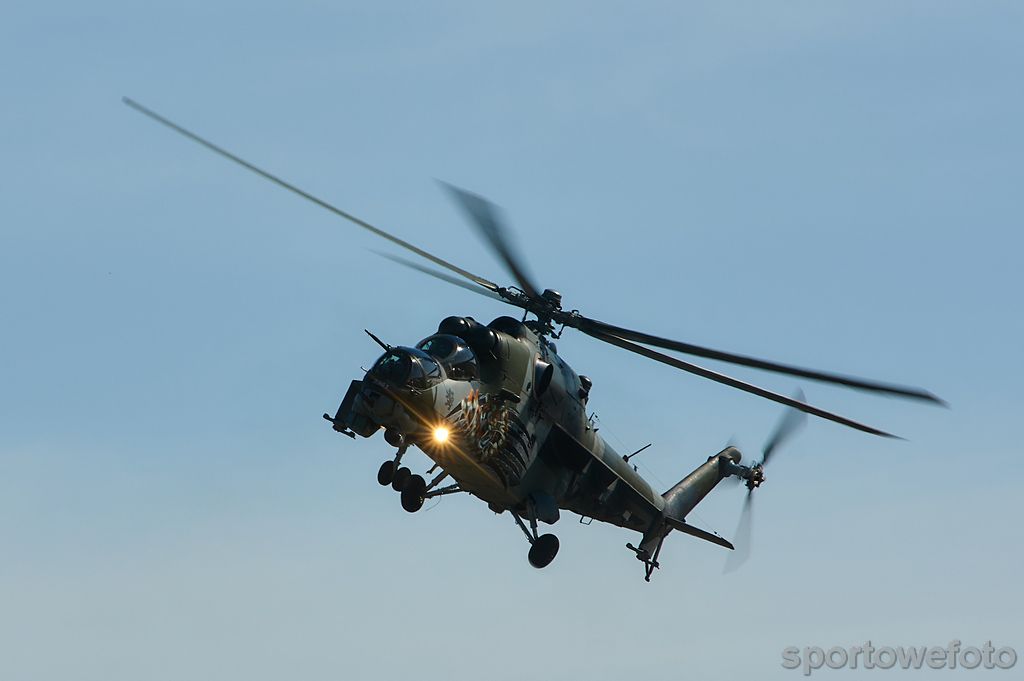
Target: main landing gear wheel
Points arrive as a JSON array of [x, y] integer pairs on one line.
[[414, 494], [386, 473], [543, 550], [401, 478]]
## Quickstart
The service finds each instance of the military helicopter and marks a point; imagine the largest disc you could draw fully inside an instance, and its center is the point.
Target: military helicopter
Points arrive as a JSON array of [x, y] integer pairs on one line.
[[504, 417]]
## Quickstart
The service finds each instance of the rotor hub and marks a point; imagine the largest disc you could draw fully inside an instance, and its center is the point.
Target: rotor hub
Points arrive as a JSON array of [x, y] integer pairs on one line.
[[756, 476], [552, 297]]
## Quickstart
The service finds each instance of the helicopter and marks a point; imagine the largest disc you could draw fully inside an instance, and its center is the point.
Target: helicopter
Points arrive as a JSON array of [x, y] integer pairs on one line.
[[504, 417]]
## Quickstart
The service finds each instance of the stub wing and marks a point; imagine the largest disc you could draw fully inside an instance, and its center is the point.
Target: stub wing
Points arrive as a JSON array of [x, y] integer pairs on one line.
[[607, 488], [602, 485]]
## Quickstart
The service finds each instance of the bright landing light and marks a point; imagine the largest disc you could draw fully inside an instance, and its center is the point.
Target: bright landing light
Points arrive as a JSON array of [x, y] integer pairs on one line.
[[440, 434]]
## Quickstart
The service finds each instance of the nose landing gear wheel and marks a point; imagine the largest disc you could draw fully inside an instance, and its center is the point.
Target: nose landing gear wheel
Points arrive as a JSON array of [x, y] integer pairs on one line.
[[543, 550], [414, 494], [386, 473], [401, 478]]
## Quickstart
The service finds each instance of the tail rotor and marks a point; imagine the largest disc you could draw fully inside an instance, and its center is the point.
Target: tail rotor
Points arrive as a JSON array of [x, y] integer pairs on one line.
[[790, 423]]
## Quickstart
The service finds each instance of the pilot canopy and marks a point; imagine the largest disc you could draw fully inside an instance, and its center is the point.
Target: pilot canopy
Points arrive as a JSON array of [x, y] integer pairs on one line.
[[407, 367], [454, 355]]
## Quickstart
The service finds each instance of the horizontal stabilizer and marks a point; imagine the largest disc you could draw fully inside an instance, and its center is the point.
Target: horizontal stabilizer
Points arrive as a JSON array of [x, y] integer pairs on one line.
[[697, 532]]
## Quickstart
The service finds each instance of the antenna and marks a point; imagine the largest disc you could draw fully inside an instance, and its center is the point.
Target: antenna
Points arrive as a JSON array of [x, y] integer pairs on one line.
[[627, 457], [378, 341]]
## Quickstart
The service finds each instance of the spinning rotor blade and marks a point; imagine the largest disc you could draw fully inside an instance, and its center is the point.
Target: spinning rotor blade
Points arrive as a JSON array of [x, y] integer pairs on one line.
[[480, 281], [587, 324], [486, 218], [742, 538], [442, 276], [790, 422], [730, 381]]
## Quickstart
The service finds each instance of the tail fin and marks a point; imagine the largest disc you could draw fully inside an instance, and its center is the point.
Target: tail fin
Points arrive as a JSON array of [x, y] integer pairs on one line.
[[692, 489], [689, 491]]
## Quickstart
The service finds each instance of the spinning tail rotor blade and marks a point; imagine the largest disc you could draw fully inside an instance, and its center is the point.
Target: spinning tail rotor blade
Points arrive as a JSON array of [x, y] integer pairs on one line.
[[480, 281], [788, 425], [744, 532], [485, 216], [586, 324]]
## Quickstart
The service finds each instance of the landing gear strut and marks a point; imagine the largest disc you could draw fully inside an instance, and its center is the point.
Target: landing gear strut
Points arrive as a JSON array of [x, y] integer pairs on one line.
[[390, 473], [413, 488], [650, 561], [417, 490], [544, 548]]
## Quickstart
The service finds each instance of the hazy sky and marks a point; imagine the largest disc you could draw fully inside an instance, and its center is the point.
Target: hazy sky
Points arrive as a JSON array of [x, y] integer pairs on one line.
[[832, 184]]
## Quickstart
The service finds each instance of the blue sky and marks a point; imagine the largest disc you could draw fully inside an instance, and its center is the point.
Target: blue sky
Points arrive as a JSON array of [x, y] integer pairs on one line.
[[831, 184]]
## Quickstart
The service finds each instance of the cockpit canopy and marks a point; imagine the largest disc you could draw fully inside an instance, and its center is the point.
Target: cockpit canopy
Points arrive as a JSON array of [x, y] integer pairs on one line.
[[454, 354], [407, 367]]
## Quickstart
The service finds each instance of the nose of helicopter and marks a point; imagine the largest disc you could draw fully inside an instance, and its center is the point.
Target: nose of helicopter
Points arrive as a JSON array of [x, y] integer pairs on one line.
[[392, 407], [396, 393]]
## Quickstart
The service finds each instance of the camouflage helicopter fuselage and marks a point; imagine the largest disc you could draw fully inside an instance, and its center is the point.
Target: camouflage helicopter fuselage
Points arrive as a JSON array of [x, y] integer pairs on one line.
[[516, 430]]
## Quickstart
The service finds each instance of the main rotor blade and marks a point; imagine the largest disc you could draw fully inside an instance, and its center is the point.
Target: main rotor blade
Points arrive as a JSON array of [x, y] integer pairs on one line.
[[790, 422], [710, 353], [485, 216], [732, 382], [442, 276], [309, 197]]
